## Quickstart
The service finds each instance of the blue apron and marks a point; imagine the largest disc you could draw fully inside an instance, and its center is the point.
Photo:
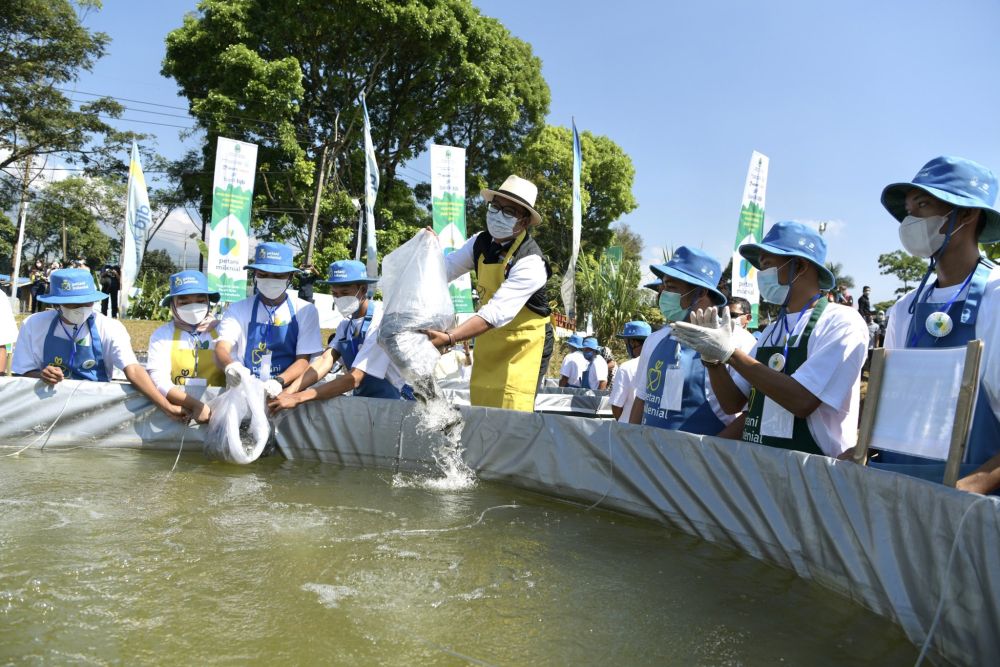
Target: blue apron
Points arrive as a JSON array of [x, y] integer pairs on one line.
[[348, 347], [265, 338], [984, 436], [77, 361], [695, 415]]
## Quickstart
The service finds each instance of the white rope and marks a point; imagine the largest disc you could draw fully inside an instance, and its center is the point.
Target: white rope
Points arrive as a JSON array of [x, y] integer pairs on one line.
[[611, 470], [47, 433]]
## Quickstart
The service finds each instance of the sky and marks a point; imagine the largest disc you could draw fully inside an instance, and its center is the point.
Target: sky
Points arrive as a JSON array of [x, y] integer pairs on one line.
[[844, 98]]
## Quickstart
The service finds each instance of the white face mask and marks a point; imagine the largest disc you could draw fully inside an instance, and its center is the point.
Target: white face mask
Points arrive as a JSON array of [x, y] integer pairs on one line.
[[499, 225], [921, 236], [76, 316], [272, 288], [192, 313], [347, 305]]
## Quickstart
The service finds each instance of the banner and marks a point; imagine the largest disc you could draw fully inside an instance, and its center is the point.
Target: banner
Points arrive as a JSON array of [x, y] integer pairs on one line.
[[448, 199], [371, 191], [568, 287], [750, 230], [137, 219], [229, 233]]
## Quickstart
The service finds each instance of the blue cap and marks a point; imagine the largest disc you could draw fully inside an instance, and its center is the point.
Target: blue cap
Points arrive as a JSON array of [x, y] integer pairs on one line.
[[792, 239], [695, 267], [591, 344], [349, 272], [575, 340], [72, 286], [189, 282], [273, 258], [636, 329], [955, 180]]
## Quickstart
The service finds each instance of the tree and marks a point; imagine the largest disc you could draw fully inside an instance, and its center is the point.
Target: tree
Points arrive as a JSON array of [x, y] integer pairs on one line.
[[630, 242], [156, 267], [906, 267], [610, 292], [83, 205], [839, 277]]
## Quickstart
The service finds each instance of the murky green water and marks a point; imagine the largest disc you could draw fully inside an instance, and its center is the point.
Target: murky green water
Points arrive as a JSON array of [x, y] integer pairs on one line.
[[105, 558]]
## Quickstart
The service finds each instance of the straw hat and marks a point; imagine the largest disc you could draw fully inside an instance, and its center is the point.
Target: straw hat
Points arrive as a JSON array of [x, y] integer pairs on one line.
[[519, 191]]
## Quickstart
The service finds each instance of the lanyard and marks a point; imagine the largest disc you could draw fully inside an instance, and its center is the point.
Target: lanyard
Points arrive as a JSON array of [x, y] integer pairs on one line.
[[72, 343], [787, 329], [270, 320], [918, 333], [196, 349]]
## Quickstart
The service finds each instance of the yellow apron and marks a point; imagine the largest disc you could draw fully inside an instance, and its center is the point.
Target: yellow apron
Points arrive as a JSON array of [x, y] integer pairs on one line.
[[186, 364], [505, 373]]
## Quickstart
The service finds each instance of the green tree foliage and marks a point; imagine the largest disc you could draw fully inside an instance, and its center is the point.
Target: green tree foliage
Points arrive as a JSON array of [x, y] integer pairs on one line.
[[87, 207], [287, 77], [906, 267], [157, 266], [605, 183], [630, 242], [839, 277], [610, 292], [992, 250]]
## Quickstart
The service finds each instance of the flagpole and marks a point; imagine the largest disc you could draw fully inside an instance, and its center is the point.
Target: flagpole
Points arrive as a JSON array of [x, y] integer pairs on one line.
[[122, 292], [14, 300]]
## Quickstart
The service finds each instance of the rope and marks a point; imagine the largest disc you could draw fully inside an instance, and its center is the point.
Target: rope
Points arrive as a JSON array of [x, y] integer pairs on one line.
[[611, 471], [47, 433]]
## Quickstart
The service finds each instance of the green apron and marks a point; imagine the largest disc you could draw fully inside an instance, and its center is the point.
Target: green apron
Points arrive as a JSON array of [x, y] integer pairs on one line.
[[795, 356]]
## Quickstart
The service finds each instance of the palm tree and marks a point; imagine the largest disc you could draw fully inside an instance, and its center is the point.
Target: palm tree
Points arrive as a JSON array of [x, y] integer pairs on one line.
[[839, 277]]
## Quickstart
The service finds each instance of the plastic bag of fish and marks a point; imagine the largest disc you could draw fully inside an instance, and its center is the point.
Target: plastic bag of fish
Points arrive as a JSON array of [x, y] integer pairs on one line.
[[239, 429]]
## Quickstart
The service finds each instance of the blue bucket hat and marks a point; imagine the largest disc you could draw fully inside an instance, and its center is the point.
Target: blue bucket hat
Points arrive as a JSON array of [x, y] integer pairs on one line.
[[636, 329], [349, 272], [957, 181], [72, 286], [655, 285], [591, 344], [695, 267], [273, 258], [792, 239], [575, 340], [189, 282]]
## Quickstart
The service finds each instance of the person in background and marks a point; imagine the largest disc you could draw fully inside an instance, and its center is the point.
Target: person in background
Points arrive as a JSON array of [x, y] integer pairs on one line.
[[368, 370], [881, 322], [740, 315], [623, 388], [307, 277], [873, 340], [181, 352], [865, 304], [609, 359], [270, 335], [574, 363], [8, 331], [72, 342], [595, 376], [110, 285], [801, 383], [945, 212], [39, 285]]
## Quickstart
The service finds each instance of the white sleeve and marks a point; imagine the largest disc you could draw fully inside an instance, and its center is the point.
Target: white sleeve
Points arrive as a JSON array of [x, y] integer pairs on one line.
[[118, 345], [600, 368], [232, 327], [623, 379], [372, 359], [8, 328], [28, 355], [310, 340], [526, 277], [836, 355], [461, 261], [158, 361]]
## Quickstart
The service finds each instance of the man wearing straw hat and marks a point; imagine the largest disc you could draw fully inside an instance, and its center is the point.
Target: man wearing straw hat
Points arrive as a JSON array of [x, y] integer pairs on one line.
[[945, 212], [72, 342], [511, 328]]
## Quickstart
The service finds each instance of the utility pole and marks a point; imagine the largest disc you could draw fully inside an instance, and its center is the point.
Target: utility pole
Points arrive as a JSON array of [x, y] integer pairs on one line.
[[16, 270], [315, 214], [64, 241]]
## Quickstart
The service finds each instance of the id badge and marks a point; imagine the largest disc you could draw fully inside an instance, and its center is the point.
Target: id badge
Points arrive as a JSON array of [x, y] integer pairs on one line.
[[776, 422], [673, 389], [196, 382], [265, 367]]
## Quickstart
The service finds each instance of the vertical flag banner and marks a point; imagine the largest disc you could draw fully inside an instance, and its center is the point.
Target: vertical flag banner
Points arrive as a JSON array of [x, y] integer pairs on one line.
[[448, 199], [137, 219], [568, 287], [229, 234], [750, 230], [371, 190]]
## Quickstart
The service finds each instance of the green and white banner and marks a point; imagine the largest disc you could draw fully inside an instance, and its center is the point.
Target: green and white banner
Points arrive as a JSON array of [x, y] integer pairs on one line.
[[448, 199], [229, 233], [750, 230]]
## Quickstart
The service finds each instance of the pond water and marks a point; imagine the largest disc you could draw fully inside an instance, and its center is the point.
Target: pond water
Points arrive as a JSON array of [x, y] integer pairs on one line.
[[107, 558]]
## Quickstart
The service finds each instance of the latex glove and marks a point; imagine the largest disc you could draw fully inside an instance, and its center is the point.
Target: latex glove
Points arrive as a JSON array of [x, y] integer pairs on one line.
[[713, 341], [705, 317], [272, 388], [236, 373]]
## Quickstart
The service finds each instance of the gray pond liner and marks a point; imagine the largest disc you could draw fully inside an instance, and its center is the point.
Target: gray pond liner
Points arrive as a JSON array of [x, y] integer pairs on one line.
[[883, 540]]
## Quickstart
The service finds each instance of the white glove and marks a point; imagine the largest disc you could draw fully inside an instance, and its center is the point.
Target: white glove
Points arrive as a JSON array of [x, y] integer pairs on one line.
[[713, 339], [272, 388], [236, 373]]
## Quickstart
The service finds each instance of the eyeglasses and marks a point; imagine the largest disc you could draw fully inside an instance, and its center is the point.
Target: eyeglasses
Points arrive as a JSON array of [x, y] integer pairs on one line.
[[508, 211], [737, 314]]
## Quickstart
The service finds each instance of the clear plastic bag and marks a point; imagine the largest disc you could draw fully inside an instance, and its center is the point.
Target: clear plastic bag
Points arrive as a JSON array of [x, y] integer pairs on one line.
[[239, 429], [415, 296]]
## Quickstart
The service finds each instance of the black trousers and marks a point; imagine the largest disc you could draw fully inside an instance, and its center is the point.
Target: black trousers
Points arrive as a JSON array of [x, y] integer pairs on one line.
[[550, 343], [113, 300]]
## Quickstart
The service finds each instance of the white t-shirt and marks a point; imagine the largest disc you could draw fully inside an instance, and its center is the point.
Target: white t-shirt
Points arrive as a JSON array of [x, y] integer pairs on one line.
[[161, 344], [573, 366], [623, 388], [598, 371], [873, 330], [831, 372], [987, 329], [526, 276], [233, 327], [371, 358], [8, 328], [116, 346]]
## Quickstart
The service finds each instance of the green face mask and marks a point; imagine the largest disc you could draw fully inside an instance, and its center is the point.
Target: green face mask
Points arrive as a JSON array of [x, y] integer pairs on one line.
[[670, 306]]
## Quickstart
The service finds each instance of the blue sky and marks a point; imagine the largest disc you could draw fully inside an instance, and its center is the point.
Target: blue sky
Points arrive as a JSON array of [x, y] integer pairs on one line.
[[843, 97]]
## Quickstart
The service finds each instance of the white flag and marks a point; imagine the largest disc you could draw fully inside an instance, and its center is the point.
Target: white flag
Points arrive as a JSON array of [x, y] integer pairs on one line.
[[371, 190], [137, 218], [568, 288]]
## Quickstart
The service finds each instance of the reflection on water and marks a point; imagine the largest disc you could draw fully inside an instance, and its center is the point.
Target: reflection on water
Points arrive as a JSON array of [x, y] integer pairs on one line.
[[108, 558]]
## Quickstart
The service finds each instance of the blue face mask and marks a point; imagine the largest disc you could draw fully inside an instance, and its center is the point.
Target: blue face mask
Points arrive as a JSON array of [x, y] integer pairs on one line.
[[771, 290], [633, 350], [670, 306], [589, 354]]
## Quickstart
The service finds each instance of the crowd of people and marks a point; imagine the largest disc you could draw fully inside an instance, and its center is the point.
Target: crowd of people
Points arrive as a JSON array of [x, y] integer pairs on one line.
[[794, 385]]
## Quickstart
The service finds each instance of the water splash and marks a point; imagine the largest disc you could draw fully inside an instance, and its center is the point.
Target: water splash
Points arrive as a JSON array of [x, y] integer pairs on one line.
[[437, 418]]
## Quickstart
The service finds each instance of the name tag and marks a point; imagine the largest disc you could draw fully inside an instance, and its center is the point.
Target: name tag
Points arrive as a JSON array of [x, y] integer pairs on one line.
[[776, 422], [673, 389], [196, 382], [265, 367]]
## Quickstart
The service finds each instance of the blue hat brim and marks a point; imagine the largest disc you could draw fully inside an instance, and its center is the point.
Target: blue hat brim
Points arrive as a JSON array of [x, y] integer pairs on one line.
[[89, 297], [662, 270], [272, 268], [751, 252], [894, 201], [655, 285], [621, 335], [355, 281], [213, 297]]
